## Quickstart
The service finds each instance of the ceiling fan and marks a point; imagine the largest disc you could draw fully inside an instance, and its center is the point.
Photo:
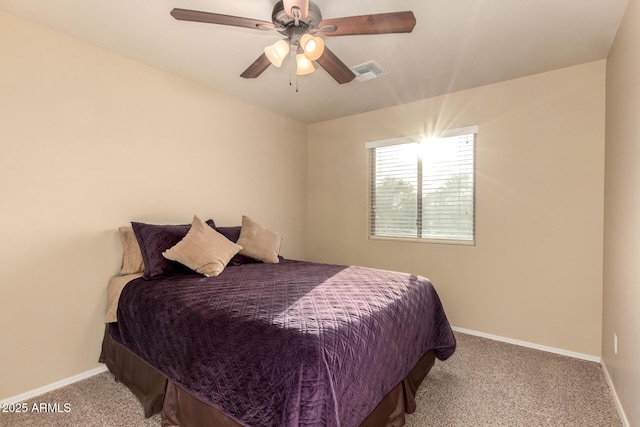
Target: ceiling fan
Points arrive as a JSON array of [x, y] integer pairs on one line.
[[300, 23]]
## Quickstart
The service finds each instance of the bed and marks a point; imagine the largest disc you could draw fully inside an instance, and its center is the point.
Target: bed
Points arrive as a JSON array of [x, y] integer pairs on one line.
[[287, 343]]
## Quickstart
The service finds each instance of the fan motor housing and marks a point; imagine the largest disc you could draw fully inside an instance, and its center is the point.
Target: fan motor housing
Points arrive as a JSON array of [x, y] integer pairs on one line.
[[284, 22]]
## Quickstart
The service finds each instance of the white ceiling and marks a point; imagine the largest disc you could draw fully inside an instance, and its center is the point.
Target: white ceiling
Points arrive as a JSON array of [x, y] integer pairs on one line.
[[456, 44]]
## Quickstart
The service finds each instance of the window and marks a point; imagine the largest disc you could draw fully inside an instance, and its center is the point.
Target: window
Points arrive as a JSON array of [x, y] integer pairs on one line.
[[424, 188]]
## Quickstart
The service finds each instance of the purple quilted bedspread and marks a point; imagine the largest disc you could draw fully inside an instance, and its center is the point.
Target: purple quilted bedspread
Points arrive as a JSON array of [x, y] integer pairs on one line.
[[288, 344]]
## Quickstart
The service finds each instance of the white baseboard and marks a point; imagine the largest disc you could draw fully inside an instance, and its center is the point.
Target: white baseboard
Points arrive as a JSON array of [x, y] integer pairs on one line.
[[530, 345], [623, 415], [41, 390]]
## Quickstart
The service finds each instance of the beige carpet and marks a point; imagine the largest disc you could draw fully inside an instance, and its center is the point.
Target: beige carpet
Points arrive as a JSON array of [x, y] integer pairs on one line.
[[490, 383], [485, 383]]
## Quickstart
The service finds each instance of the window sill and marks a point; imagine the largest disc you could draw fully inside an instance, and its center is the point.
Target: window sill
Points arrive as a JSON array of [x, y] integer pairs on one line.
[[429, 241]]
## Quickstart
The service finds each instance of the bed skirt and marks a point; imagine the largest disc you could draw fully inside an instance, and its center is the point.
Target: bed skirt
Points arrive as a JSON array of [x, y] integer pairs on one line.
[[157, 394]]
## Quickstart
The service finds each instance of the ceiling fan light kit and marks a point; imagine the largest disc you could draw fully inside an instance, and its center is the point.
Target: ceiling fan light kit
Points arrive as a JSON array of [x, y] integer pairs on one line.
[[277, 52], [313, 46], [300, 22], [303, 65]]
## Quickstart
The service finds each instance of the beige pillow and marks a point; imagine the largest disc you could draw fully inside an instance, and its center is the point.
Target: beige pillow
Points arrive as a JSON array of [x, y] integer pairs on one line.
[[258, 242], [203, 249], [131, 256]]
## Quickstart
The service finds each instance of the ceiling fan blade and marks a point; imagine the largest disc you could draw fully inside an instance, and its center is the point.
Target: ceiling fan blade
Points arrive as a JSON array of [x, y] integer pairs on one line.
[[381, 23], [258, 66], [216, 18], [334, 66]]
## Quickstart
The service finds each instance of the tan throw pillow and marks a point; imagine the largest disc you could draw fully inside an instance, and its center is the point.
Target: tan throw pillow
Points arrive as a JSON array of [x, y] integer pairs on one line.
[[131, 256], [203, 249], [258, 242]]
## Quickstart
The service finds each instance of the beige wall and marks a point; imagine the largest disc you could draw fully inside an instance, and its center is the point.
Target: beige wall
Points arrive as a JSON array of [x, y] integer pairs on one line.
[[90, 141], [621, 313], [535, 273]]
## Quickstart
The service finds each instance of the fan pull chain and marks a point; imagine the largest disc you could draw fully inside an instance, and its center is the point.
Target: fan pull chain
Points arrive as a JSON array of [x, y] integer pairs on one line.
[[293, 64], [293, 69]]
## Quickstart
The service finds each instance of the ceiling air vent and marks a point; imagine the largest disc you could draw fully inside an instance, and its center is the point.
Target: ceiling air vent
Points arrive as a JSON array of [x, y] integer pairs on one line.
[[368, 71]]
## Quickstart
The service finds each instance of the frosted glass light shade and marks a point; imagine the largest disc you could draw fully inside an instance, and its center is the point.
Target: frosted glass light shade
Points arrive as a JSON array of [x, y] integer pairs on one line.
[[313, 46], [277, 52], [303, 65]]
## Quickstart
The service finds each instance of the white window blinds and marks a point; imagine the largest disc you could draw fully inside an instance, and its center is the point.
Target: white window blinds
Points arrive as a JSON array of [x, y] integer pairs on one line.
[[424, 189]]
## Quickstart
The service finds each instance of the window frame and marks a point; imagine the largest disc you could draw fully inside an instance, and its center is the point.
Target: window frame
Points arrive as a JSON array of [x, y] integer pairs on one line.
[[370, 152]]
